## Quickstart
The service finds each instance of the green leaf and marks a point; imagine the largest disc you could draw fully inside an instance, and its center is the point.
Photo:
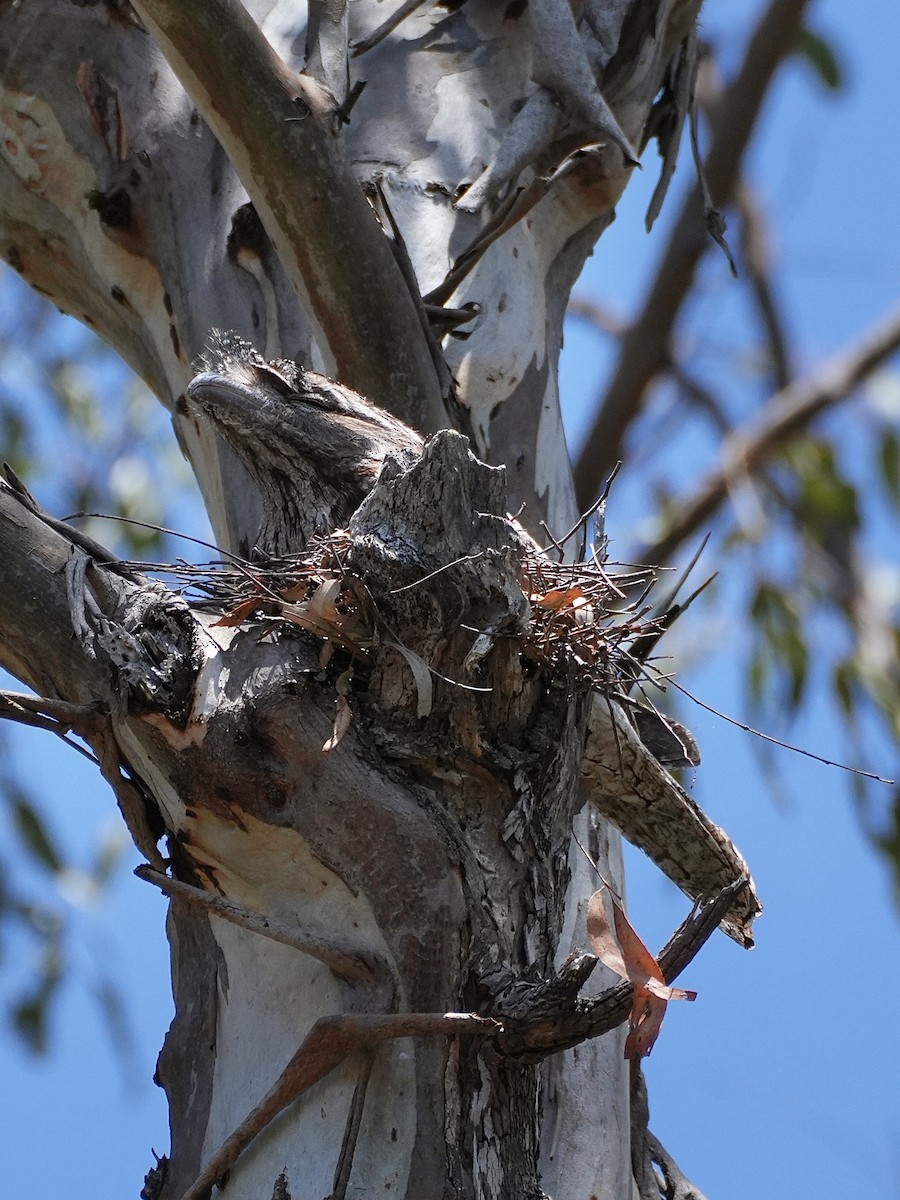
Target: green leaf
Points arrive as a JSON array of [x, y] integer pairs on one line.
[[34, 833], [30, 1015], [780, 646], [889, 462], [821, 57], [844, 680], [109, 855]]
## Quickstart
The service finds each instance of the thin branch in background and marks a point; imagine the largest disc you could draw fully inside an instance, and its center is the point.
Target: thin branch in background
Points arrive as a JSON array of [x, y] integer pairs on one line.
[[755, 245], [645, 347], [597, 315], [756, 261], [786, 415], [700, 397], [608, 323]]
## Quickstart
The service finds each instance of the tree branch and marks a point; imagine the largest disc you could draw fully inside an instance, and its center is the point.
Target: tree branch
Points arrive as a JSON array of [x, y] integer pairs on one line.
[[279, 131], [785, 416], [352, 963], [644, 348], [755, 258], [37, 645]]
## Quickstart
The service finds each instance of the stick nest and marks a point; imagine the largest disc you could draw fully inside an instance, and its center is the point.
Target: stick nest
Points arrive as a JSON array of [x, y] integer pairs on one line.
[[591, 617]]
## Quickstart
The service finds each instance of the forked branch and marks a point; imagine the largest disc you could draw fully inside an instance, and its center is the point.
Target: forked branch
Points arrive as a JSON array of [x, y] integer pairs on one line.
[[278, 130]]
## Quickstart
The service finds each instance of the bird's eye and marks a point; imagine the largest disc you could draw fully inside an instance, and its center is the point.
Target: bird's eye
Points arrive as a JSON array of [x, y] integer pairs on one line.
[[275, 380]]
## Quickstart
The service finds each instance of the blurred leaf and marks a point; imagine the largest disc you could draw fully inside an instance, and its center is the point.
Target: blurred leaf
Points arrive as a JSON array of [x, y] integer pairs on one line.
[[74, 393], [115, 1019], [824, 497], [844, 682], [757, 678], [822, 58], [34, 833], [30, 1015], [781, 646], [889, 462], [109, 855]]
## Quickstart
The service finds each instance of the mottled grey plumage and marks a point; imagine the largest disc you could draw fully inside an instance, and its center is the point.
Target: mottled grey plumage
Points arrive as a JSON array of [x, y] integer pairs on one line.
[[313, 447]]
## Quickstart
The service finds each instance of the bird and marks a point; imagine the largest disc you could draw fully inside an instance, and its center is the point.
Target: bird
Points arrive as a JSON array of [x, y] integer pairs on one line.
[[313, 447]]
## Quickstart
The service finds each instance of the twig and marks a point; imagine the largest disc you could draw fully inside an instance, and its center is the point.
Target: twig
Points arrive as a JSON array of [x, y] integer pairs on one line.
[[712, 218], [828, 762], [785, 416], [55, 716], [602, 319], [677, 100], [92, 724], [388, 25], [351, 1131]]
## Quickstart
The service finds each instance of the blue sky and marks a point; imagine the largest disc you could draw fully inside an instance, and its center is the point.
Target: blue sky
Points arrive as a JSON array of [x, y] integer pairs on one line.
[[780, 1080]]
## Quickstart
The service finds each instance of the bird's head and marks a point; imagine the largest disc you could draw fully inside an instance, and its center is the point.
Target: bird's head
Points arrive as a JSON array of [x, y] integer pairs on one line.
[[313, 447]]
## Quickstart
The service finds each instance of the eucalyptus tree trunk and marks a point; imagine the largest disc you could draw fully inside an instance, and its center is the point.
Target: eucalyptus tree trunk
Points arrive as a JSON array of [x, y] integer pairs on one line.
[[403, 847]]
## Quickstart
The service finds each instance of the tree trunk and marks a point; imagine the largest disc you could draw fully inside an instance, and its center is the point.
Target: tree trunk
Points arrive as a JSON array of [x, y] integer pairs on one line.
[[163, 175]]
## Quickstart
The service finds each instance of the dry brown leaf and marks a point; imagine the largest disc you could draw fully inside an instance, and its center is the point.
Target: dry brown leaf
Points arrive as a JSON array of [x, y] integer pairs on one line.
[[238, 615], [620, 949], [422, 676], [295, 594], [342, 718], [321, 604], [644, 1021], [559, 598]]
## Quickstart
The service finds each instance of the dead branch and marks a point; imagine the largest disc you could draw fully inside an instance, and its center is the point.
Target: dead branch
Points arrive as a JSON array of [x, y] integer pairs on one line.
[[648, 1153], [333, 1039]]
